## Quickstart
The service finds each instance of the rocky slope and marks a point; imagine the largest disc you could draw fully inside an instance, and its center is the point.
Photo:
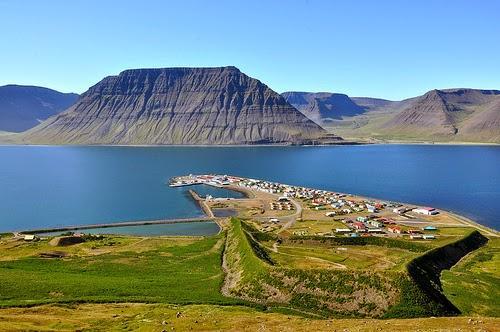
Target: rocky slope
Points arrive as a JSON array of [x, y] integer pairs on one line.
[[456, 114], [23, 107], [178, 106], [453, 115]]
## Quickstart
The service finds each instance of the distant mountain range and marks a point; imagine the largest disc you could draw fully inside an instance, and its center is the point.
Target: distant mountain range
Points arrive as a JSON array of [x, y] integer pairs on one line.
[[23, 107], [178, 106], [452, 115], [222, 105]]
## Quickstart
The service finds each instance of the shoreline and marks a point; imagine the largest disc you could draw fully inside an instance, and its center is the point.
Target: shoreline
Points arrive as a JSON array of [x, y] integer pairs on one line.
[[346, 142]]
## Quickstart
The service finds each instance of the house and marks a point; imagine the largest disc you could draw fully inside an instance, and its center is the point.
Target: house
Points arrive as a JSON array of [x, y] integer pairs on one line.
[[353, 235], [274, 220], [283, 199], [359, 225], [428, 211], [30, 237], [330, 214], [428, 237], [342, 230], [430, 228], [375, 230], [394, 229], [371, 208], [400, 210], [362, 219], [415, 236], [376, 223]]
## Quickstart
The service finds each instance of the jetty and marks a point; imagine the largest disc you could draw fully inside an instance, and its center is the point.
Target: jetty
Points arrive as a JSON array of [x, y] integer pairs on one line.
[[119, 224], [201, 202]]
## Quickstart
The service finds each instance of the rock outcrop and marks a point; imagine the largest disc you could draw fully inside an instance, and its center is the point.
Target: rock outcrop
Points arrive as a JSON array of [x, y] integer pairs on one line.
[[194, 106]]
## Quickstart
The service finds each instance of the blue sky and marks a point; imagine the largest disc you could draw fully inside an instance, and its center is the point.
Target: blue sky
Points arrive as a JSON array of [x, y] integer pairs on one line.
[[387, 49]]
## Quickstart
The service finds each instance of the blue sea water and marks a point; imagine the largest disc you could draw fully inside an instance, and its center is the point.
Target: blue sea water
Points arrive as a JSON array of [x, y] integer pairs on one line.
[[42, 186]]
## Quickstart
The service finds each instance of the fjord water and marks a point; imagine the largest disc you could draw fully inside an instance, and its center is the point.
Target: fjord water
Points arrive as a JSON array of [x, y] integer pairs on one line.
[[43, 186]]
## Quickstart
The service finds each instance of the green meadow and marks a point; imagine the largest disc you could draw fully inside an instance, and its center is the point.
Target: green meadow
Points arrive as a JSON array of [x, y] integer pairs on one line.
[[473, 285], [123, 270]]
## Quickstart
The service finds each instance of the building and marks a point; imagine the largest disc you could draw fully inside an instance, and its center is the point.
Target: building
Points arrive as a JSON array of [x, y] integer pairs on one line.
[[394, 229], [359, 225], [430, 228], [428, 211], [371, 208], [342, 230], [428, 237], [400, 210], [415, 236], [376, 223], [362, 219], [30, 237], [330, 214]]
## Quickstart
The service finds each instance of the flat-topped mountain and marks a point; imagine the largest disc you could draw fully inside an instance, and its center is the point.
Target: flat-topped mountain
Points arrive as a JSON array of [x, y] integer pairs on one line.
[[178, 106], [323, 107], [462, 115], [23, 107]]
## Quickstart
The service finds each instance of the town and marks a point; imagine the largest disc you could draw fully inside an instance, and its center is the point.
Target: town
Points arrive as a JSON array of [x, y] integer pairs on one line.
[[303, 211]]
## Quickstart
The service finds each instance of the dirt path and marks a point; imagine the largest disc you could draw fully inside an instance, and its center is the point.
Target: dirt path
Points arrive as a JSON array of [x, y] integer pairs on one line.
[[293, 217], [231, 277]]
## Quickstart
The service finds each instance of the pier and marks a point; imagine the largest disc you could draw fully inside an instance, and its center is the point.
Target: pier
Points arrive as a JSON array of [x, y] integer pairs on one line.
[[119, 224], [208, 211]]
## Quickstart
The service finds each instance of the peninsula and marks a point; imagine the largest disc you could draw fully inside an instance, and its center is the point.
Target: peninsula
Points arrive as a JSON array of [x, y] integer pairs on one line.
[[282, 250]]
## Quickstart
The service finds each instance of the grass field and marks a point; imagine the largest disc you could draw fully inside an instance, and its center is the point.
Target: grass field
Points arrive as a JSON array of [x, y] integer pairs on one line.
[[160, 317], [115, 269], [473, 285], [306, 278], [343, 257]]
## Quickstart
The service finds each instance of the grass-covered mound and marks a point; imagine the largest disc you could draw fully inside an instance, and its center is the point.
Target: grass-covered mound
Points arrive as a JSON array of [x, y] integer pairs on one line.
[[425, 272], [473, 285], [115, 269], [319, 292], [413, 291]]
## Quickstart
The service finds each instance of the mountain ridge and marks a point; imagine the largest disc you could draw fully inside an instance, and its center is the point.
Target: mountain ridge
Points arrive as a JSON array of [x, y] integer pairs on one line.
[[24, 106], [178, 106], [446, 115]]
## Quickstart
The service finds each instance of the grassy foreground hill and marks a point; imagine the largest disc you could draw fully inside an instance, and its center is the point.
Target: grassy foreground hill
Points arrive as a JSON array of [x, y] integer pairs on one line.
[[229, 281]]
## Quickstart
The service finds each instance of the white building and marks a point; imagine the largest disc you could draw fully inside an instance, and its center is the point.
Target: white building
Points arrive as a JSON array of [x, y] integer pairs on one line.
[[428, 211]]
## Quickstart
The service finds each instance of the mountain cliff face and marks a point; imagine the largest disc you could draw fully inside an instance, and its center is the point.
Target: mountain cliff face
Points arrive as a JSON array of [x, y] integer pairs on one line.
[[323, 107], [457, 114], [178, 106], [23, 107]]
